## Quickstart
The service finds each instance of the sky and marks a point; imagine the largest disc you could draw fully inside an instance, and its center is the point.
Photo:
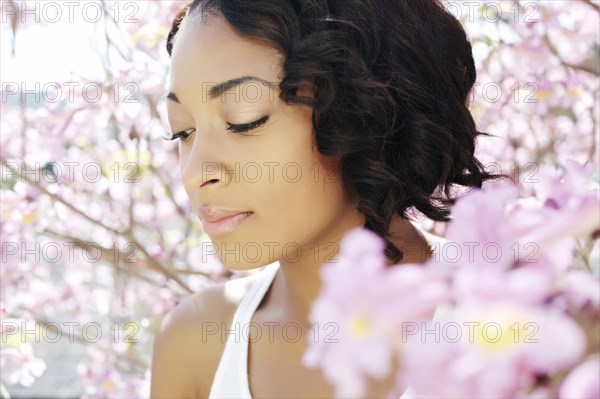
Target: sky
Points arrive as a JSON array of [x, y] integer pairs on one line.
[[52, 51]]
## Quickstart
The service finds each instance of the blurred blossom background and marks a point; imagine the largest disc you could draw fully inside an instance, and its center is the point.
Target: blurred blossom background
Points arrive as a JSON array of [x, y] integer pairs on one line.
[[98, 241]]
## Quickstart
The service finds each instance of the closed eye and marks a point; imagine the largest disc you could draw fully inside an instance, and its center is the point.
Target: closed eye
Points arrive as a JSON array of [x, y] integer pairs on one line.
[[247, 126], [182, 135], [241, 128]]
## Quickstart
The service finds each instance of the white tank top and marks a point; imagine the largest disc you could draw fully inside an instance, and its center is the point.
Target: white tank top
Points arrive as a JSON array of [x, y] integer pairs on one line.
[[231, 378]]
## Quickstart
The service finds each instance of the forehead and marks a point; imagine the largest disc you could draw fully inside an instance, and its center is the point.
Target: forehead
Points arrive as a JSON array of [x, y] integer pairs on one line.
[[209, 50]]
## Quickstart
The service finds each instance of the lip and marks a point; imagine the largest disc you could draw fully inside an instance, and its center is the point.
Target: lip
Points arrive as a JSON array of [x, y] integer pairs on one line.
[[220, 221]]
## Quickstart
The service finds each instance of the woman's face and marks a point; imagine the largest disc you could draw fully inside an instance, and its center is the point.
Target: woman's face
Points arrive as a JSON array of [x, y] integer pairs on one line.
[[273, 170]]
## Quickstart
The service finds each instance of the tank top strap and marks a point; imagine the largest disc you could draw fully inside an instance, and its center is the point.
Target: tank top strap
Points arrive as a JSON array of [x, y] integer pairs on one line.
[[231, 377]]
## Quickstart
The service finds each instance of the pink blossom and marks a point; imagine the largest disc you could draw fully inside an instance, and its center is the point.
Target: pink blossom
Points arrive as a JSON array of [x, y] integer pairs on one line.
[[529, 283], [366, 324], [583, 382], [581, 289], [480, 223], [560, 190], [571, 222], [489, 349], [20, 365]]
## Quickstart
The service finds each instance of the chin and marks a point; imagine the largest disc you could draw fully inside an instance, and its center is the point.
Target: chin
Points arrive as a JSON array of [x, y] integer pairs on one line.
[[236, 252], [240, 260]]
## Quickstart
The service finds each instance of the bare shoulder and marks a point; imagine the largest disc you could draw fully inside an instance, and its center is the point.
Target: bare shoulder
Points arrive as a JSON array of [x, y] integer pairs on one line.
[[190, 341]]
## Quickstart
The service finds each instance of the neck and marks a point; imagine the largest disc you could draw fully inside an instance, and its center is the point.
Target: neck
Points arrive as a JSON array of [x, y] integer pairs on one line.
[[298, 282]]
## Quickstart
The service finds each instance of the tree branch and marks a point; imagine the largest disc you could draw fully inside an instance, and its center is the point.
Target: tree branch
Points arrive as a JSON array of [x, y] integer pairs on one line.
[[593, 69], [151, 261], [59, 199], [108, 255], [593, 5]]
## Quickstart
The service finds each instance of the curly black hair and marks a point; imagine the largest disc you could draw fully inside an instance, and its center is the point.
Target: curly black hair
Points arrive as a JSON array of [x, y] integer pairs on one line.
[[391, 82]]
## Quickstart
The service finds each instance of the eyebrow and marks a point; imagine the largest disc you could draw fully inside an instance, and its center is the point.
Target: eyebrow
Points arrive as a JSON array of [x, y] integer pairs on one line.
[[220, 88]]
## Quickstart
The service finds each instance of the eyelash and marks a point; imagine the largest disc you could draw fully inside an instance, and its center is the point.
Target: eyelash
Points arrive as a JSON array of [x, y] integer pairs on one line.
[[238, 129]]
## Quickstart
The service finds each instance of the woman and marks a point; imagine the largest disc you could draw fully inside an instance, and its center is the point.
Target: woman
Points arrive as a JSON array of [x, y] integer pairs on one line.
[[298, 121]]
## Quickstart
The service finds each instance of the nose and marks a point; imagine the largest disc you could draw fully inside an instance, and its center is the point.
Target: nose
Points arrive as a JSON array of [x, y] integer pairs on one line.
[[202, 164]]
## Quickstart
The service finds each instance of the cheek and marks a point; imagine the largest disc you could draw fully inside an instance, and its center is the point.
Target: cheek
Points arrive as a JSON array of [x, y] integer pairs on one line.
[[308, 197], [305, 194], [309, 179]]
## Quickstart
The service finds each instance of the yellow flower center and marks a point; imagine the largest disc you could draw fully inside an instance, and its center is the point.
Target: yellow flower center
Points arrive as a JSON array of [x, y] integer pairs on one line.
[[359, 325], [501, 331]]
